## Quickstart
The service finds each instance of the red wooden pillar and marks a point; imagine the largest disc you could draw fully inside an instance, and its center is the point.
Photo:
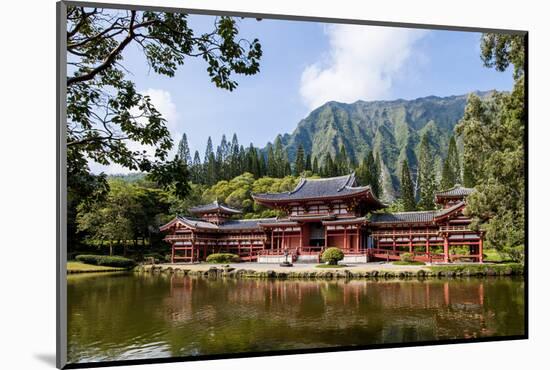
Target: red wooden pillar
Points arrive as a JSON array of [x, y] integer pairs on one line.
[[301, 241], [410, 240], [326, 237], [357, 240], [173, 251], [345, 238], [481, 248], [445, 248]]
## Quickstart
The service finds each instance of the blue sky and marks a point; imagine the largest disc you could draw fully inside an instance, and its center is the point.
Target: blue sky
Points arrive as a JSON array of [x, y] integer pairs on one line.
[[306, 64]]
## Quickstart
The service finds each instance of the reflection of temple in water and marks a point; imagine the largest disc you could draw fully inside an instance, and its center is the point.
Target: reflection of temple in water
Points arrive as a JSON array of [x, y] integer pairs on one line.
[[395, 310]]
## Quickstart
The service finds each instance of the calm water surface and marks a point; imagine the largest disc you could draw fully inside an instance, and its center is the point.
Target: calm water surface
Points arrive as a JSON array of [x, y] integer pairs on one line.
[[134, 316]]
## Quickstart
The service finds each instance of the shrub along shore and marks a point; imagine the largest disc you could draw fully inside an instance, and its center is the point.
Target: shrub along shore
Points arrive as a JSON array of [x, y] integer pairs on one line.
[[355, 272]]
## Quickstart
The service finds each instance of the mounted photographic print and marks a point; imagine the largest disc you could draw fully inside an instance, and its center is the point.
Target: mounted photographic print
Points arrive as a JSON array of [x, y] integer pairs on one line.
[[235, 185]]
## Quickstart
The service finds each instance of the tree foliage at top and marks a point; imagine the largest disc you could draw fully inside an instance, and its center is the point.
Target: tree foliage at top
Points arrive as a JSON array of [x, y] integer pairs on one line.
[[107, 116], [494, 132]]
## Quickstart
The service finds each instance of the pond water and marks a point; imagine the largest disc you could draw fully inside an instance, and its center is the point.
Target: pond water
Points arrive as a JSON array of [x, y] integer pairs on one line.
[[124, 316]]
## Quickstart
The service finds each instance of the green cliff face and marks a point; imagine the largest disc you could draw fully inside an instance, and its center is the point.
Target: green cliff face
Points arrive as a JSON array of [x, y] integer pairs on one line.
[[392, 129]]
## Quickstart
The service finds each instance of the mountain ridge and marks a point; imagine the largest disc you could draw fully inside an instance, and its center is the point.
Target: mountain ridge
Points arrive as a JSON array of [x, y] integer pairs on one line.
[[392, 128]]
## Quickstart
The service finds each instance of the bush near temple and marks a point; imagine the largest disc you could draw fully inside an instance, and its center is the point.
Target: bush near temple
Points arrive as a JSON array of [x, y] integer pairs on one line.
[[406, 257], [157, 257], [112, 261], [222, 258], [332, 255]]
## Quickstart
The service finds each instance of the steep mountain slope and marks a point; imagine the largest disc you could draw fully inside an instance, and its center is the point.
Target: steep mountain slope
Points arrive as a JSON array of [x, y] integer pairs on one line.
[[393, 129]]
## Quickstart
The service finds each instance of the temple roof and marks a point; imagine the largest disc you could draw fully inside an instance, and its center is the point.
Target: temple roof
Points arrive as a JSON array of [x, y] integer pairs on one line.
[[456, 191], [413, 217], [403, 217], [245, 224], [346, 221], [341, 186], [215, 206]]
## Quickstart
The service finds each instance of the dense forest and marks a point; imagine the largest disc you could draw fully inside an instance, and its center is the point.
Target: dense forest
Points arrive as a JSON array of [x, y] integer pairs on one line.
[[404, 150]]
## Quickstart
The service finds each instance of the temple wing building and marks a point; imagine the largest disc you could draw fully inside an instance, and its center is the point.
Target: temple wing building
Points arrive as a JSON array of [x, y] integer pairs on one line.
[[329, 212]]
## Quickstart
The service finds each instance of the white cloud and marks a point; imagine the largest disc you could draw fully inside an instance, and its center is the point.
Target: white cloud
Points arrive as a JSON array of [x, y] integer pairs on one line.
[[361, 64], [162, 100]]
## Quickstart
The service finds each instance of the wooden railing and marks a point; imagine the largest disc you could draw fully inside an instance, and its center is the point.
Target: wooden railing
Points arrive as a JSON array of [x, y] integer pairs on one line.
[[389, 254], [403, 233], [446, 228], [178, 237]]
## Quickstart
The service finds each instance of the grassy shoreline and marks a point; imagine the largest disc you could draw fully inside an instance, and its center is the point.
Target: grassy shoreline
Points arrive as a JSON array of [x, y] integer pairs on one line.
[[75, 267], [347, 272]]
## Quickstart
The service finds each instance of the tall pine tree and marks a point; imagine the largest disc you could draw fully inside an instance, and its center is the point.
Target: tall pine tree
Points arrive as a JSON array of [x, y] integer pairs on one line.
[[271, 163], [426, 173], [183, 150], [341, 162], [299, 164], [308, 162], [315, 166], [196, 169], [451, 174], [407, 188], [209, 163]]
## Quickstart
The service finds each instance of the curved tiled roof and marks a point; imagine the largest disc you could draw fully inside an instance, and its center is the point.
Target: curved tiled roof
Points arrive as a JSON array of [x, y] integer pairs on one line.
[[455, 191], [215, 206], [196, 223], [340, 186], [245, 224], [403, 217], [413, 217]]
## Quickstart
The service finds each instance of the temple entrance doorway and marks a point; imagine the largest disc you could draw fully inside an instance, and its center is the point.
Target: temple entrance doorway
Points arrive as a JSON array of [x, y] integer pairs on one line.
[[316, 234]]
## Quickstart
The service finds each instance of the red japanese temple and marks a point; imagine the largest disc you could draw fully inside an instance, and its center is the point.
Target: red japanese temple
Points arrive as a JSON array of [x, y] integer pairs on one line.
[[330, 212]]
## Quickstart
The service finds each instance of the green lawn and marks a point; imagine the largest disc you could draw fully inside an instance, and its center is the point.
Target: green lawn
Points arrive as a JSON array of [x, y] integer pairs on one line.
[[492, 256], [408, 263], [325, 266], [76, 267]]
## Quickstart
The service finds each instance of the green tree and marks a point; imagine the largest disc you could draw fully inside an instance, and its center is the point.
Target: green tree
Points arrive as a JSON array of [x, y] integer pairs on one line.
[[494, 131], [109, 220], [308, 162], [341, 161], [407, 188], [426, 174], [196, 169], [234, 157], [368, 173], [271, 163], [299, 164], [279, 157], [210, 163], [329, 169], [315, 166], [451, 174], [106, 115], [183, 150]]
